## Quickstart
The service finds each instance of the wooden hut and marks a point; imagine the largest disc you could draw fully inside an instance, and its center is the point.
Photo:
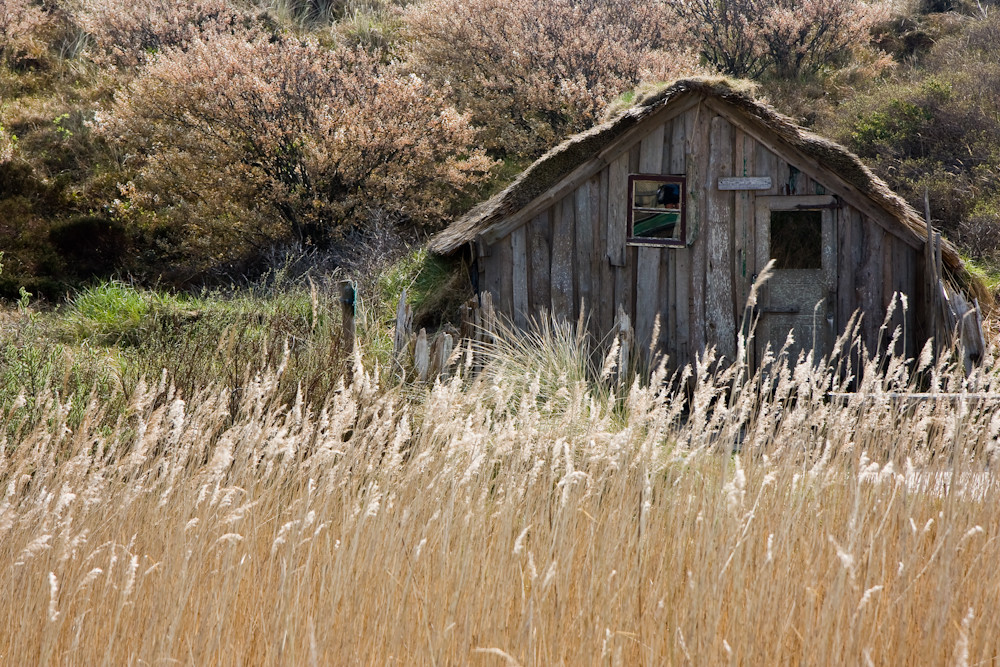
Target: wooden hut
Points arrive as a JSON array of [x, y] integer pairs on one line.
[[672, 209]]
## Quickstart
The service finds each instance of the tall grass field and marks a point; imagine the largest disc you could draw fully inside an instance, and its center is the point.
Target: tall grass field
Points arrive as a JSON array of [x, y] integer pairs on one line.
[[534, 511]]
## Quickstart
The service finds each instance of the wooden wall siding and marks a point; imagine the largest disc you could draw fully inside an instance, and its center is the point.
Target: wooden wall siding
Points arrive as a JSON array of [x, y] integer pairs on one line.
[[583, 275], [519, 276], [503, 256], [903, 281], [720, 324], [679, 310], [604, 310], [744, 256], [849, 236], [649, 303], [574, 252], [869, 282], [617, 205], [697, 131], [563, 237], [540, 263]]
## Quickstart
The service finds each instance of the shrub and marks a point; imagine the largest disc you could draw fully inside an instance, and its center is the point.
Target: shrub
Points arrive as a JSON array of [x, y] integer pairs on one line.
[[21, 22], [938, 133], [748, 38], [127, 33], [238, 142], [532, 71], [311, 14]]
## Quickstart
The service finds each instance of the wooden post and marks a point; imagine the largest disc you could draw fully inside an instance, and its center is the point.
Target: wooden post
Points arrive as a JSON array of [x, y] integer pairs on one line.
[[441, 350], [404, 323], [421, 356], [469, 314], [348, 309]]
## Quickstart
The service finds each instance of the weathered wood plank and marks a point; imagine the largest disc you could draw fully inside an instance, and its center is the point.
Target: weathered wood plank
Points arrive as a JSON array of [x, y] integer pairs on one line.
[[629, 277], [502, 259], [519, 275], [606, 305], [679, 274], [829, 309], [766, 164], [540, 293], [491, 273], [562, 260], [902, 262], [681, 305], [678, 147], [913, 283], [719, 305], [647, 294], [845, 267], [598, 260], [651, 151], [749, 183], [698, 177], [852, 256], [869, 282], [804, 184], [890, 271], [583, 277], [617, 210], [647, 299], [668, 132], [625, 284], [665, 341], [743, 160]]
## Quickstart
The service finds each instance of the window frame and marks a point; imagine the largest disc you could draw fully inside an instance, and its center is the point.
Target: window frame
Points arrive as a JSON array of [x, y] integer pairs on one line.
[[631, 239]]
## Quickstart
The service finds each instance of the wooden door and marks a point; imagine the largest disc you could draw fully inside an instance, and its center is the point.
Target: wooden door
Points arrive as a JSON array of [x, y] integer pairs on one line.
[[799, 234]]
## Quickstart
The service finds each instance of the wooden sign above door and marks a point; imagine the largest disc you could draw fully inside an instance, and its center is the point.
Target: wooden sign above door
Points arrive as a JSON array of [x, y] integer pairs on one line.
[[745, 183]]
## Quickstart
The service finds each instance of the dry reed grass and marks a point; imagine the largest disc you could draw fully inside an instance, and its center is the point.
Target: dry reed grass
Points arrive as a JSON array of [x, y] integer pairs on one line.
[[481, 521]]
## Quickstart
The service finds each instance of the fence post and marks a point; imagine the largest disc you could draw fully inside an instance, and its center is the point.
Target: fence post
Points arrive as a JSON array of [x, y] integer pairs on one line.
[[421, 356], [404, 323]]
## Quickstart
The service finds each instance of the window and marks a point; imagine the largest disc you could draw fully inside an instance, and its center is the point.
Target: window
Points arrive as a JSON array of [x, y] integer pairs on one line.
[[797, 239], [656, 210]]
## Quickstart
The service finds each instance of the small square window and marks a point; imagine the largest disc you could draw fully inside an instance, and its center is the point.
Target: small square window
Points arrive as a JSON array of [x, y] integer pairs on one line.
[[656, 210], [797, 239]]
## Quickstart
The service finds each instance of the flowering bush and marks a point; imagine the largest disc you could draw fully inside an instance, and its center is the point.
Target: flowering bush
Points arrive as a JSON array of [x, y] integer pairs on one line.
[[787, 37], [532, 71], [236, 142], [127, 32], [20, 24]]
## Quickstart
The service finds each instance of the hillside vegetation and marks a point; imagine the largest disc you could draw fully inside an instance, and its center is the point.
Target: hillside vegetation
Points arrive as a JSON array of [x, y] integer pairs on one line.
[[188, 141]]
